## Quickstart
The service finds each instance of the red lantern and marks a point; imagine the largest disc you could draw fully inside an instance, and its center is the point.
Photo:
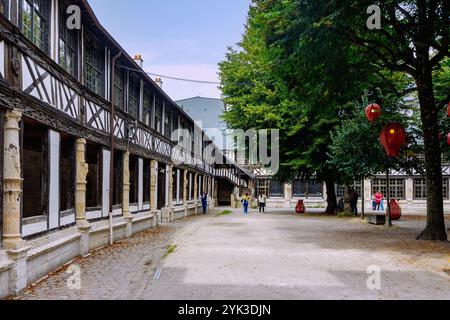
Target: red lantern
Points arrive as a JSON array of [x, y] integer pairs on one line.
[[300, 208], [448, 139], [392, 137], [373, 112], [396, 211], [448, 109]]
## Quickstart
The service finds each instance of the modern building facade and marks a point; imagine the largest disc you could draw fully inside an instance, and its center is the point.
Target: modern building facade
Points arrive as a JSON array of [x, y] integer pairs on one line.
[[86, 138]]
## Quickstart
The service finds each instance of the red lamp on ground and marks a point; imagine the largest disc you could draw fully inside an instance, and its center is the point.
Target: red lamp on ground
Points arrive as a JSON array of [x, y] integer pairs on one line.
[[396, 211], [373, 112], [300, 208], [393, 137]]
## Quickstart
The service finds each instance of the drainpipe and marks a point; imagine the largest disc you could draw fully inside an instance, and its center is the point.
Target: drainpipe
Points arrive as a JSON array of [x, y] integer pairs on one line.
[[111, 163]]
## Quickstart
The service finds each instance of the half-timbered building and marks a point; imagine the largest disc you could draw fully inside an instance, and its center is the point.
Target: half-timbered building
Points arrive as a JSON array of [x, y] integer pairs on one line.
[[87, 137]]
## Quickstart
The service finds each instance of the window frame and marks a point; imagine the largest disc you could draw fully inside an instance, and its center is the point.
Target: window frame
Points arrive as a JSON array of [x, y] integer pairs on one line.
[[279, 185], [45, 19], [70, 41], [94, 62], [423, 186], [377, 185], [134, 94]]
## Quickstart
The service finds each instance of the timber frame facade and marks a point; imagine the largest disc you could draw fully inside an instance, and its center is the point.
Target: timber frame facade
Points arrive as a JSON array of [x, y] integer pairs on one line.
[[55, 109]]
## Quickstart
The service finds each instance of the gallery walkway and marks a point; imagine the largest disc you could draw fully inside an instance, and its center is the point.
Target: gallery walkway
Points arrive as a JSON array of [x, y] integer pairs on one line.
[[274, 256]]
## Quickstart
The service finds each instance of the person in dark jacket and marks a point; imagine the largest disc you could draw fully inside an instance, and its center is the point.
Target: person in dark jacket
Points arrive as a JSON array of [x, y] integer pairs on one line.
[[354, 201], [205, 202]]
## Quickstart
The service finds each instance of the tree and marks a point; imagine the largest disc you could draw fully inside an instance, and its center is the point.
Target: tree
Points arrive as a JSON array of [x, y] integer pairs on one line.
[[414, 39]]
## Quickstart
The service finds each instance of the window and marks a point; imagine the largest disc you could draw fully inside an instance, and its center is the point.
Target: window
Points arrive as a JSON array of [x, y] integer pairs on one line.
[[35, 170], [397, 187], [94, 176], [4, 7], [146, 188], [35, 21], [95, 65], [167, 124], [158, 115], [118, 183], [134, 97], [119, 84], [68, 44], [311, 189], [420, 189], [340, 190], [174, 122], [276, 189], [175, 184], [134, 179], [67, 173], [262, 187], [147, 108]]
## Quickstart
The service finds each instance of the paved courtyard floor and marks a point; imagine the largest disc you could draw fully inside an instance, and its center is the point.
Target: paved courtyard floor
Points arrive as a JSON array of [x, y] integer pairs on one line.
[[273, 256]]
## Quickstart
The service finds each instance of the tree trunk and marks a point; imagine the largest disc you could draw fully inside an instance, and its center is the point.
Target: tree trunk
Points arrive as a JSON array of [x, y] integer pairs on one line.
[[436, 229], [331, 197]]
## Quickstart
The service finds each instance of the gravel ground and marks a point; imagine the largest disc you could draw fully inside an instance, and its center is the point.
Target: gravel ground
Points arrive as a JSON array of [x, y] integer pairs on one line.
[[273, 256]]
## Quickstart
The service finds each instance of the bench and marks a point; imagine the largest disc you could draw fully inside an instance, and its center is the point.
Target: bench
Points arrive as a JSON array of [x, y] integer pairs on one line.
[[376, 218]]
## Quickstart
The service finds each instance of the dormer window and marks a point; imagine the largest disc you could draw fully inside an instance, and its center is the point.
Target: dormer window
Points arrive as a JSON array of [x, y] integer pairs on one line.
[[35, 22]]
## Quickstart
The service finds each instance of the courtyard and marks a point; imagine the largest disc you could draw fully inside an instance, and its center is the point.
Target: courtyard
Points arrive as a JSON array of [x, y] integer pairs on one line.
[[278, 255]]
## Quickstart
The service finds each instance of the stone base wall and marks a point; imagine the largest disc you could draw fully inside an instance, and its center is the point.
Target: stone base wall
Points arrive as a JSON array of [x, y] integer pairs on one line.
[[4, 279], [48, 254]]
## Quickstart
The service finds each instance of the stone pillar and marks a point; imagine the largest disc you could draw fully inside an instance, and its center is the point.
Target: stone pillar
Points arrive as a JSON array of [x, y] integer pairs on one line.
[[368, 194], [82, 170], [409, 188], [12, 182], [287, 195], [196, 193], [185, 192], [126, 195]]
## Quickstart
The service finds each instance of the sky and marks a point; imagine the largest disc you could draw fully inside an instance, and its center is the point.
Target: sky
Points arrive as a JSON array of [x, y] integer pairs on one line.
[[180, 38]]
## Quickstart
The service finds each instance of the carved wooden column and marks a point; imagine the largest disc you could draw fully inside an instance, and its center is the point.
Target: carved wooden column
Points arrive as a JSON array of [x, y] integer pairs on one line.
[[12, 182], [126, 195], [153, 186], [82, 170], [185, 192], [196, 192]]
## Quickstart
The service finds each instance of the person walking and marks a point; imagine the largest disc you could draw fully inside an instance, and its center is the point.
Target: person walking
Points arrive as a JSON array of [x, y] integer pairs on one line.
[[262, 203], [354, 201], [245, 202], [204, 202]]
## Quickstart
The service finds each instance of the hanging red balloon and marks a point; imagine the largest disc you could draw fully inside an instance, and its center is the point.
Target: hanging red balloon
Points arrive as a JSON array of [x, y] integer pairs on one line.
[[373, 112], [393, 137]]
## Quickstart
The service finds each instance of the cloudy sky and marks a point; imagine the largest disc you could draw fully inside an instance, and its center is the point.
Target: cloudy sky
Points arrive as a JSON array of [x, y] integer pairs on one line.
[[180, 38]]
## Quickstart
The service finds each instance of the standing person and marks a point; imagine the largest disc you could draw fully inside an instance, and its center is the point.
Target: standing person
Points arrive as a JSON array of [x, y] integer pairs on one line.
[[204, 202], [354, 201], [378, 199], [245, 202], [382, 203], [262, 203], [374, 202]]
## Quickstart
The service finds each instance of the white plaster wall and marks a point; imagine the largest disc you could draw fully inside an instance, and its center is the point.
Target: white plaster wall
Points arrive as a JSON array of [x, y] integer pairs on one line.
[[105, 183], [4, 282], [54, 142]]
